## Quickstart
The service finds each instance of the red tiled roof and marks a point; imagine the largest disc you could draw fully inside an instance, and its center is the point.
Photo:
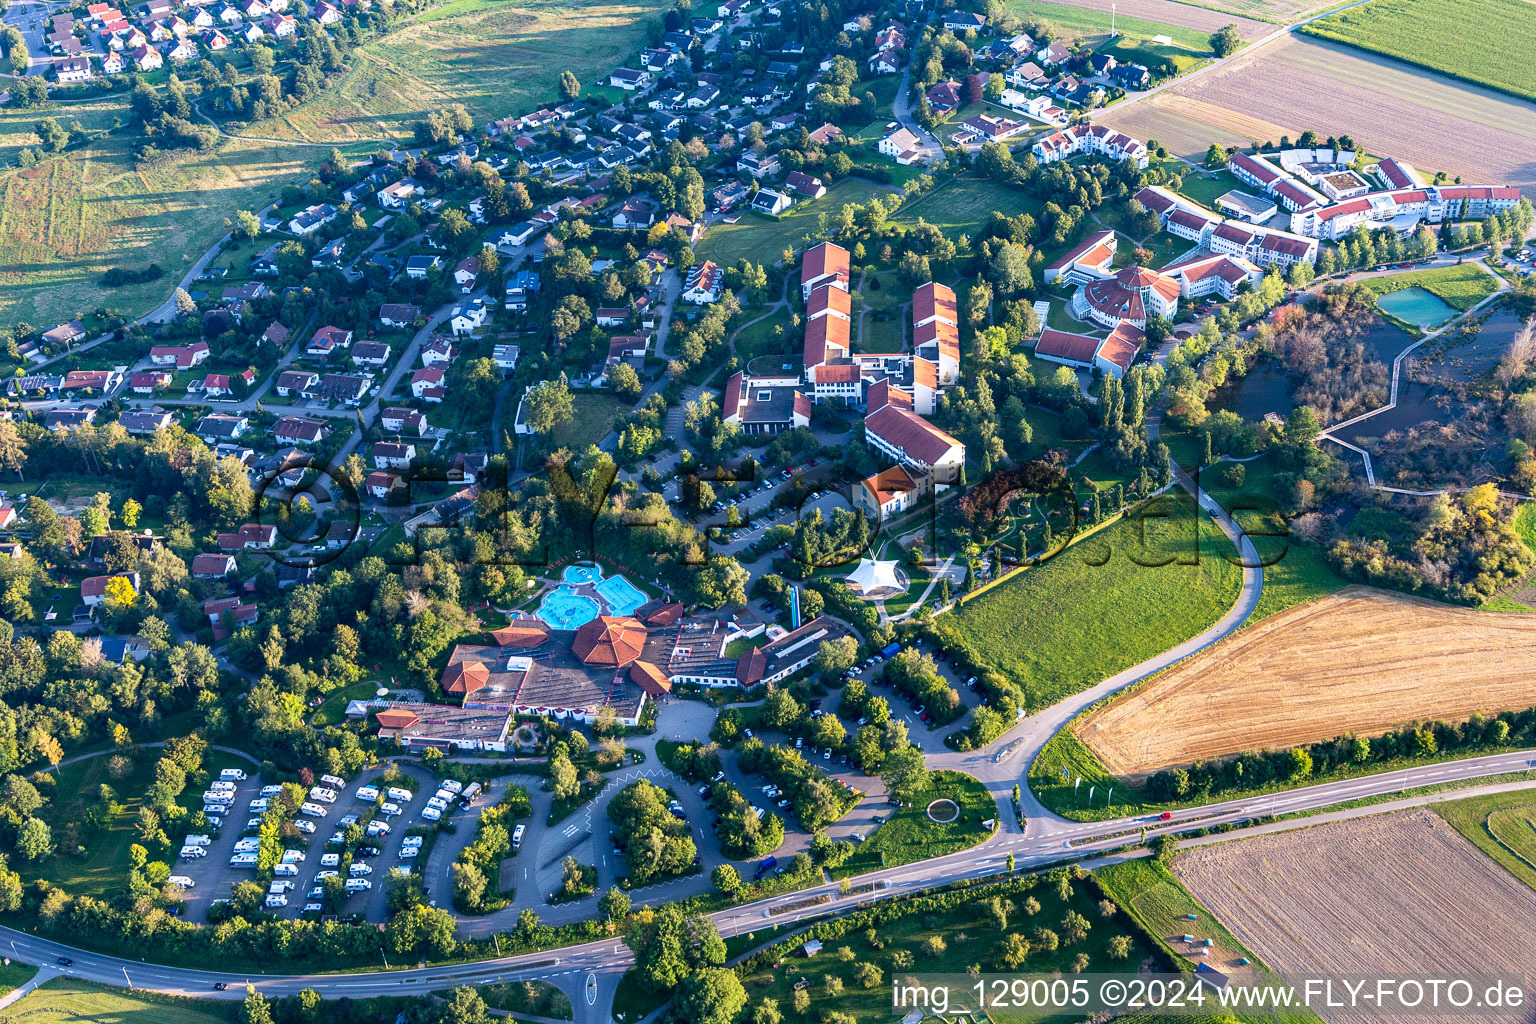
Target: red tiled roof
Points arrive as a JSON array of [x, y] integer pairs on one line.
[[828, 299], [933, 299], [650, 679], [465, 677], [397, 718], [824, 260], [1077, 348], [609, 640], [910, 432], [522, 633]]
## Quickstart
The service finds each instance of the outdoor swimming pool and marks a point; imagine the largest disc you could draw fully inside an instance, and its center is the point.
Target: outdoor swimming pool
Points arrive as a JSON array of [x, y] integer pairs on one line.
[[563, 608], [1416, 306], [622, 596]]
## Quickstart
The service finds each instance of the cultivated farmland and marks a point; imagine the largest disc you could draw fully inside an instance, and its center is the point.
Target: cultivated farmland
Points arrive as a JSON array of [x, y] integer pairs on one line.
[[1361, 661], [1187, 24], [1098, 608], [497, 57], [1299, 83], [1393, 894], [1493, 38]]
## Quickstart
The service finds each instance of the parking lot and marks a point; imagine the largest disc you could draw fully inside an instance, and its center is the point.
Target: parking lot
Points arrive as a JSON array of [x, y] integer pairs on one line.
[[214, 876]]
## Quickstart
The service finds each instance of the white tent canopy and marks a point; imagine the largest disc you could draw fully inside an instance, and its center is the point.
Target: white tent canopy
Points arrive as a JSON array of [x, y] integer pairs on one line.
[[874, 576]]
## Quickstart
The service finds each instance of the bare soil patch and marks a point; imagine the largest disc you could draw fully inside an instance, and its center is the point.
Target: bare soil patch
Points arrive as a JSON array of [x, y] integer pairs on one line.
[[1360, 660], [1396, 894], [1396, 110]]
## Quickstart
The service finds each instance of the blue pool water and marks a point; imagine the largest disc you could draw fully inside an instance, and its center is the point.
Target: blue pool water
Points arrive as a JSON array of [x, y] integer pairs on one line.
[[1417, 306], [622, 596], [582, 573], [563, 608]]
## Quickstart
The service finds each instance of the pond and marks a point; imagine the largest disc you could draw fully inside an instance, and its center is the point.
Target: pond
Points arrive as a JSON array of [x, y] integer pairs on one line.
[[1266, 389], [1416, 306]]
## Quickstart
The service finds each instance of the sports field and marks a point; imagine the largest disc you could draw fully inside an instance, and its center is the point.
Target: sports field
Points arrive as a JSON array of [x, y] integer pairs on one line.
[[1391, 108], [68, 220], [1361, 661], [496, 57], [1493, 40], [1063, 626]]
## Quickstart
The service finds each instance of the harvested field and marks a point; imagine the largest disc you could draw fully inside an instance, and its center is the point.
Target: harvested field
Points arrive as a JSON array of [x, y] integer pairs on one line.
[[1396, 894], [1360, 660], [1169, 12], [1391, 108], [1281, 12]]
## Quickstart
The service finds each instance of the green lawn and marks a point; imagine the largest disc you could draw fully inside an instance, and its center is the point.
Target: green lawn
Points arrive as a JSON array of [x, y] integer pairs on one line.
[[14, 975], [104, 868], [1092, 24], [1501, 826], [1494, 45], [1161, 905], [762, 239], [909, 835], [1205, 190], [1064, 625], [538, 998], [593, 420], [965, 204], [1462, 286], [70, 1001]]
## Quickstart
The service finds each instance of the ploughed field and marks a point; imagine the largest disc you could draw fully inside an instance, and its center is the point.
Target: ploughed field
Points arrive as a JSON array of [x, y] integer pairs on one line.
[[1396, 894], [1360, 660], [1292, 84]]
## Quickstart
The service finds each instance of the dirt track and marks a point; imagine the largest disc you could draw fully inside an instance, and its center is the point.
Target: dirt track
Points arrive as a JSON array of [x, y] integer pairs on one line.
[[1399, 894], [1361, 661], [1394, 109]]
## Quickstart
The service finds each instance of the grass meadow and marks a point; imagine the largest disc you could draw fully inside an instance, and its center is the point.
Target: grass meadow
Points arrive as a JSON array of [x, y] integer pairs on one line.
[[1092, 25], [1493, 41], [909, 835], [68, 1001], [1502, 825], [964, 205], [1103, 605], [762, 239], [1462, 286], [497, 57], [66, 221]]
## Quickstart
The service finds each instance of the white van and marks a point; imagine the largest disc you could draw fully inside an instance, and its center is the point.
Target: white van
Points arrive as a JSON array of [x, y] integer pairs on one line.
[[359, 869], [399, 796], [368, 794], [276, 902], [218, 799], [260, 805], [279, 887], [222, 785], [359, 885], [389, 810], [180, 881], [330, 860], [215, 812], [411, 841], [325, 796], [517, 836], [444, 796], [409, 852], [376, 828], [243, 860], [197, 841], [312, 810], [403, 871], [431, 814], [250, 845], [286, 870], [454, 786], [271, 790], [232, 775], [334, 781], [293, 856], [193, 852]]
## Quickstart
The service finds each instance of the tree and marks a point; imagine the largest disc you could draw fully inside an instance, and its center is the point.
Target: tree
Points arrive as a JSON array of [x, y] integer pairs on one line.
[[185, 306], [255, 1009], [904, 773], [614, 904], [726, 880], [1226, 41], [1120, 946], [625, 380], [466, 1007], [868, 975], [247, 224], [1012, 951], [549, 405], [570, 88], [712, 996]]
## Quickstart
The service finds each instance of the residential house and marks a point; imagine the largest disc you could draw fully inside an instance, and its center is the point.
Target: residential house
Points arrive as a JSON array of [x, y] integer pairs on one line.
[[465, 272], [312, 218], [302, 430], [427, 384], [705, 283], [393, 455], [222, 426], [901, 145], [399, 420], [758, 164], [297, 383], [470, 316], [382, 485], [418, 267], [770, 201], [371, 353], [805, 184], [633, 215], [326, 341], [213, 566], [629, 79]]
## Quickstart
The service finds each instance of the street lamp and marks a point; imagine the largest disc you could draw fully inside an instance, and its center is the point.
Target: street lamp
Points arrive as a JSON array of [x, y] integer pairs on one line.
[[128, 979]]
